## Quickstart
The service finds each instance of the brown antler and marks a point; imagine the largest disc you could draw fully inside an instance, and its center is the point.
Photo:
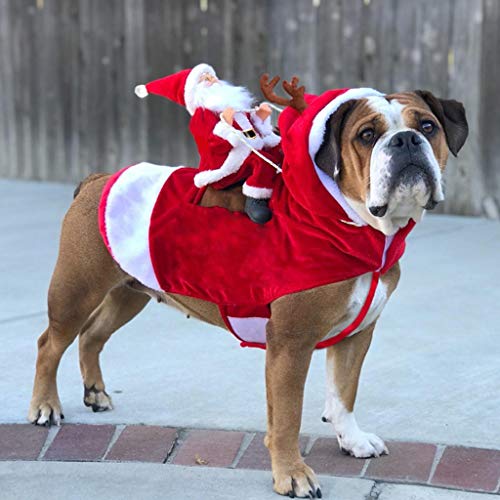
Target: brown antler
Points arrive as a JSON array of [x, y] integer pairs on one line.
[[297, 101]]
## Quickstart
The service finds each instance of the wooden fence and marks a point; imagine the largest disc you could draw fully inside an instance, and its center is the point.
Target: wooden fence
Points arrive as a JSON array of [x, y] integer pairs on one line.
[[68, 69]]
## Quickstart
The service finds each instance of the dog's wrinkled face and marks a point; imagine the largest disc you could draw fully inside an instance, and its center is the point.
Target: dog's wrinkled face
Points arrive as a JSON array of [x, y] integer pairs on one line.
[[388, 153]]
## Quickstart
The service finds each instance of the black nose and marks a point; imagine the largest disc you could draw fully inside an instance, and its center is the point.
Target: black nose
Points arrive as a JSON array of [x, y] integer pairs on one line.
[[378, 211], [408, 139]]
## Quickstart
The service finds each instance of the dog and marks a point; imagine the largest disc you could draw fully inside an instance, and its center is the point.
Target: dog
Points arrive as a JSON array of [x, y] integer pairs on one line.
[[386, 154]]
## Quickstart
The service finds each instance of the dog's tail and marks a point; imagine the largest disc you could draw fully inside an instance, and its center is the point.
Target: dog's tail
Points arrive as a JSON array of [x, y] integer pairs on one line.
[[87, 180]]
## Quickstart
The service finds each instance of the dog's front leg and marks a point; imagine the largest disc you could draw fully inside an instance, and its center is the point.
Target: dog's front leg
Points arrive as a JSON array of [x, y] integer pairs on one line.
[[287, 362], [343, 367]]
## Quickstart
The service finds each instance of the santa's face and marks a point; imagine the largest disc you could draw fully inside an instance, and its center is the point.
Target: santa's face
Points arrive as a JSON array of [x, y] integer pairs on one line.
[[208, 79], [217, 95]]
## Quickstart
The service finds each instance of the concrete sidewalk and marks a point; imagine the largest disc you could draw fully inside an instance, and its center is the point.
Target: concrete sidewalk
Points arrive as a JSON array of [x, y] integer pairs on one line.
[[431, 374], [82, 481]]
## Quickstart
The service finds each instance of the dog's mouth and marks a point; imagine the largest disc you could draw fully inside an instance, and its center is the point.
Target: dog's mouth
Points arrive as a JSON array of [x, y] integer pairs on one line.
[[412, 185], [412, 175], [419, 183]]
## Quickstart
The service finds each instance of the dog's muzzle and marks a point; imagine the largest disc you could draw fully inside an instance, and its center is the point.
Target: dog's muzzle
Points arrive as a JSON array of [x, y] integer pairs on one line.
[[410, 168]]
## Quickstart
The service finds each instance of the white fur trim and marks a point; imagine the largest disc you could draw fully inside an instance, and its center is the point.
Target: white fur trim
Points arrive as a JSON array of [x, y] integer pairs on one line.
[[141, 91], [231, 164], [226, 132], [192, 81], [257, 192], [242, 120], [271, 140], [263, 127], [316, 136], [251, 329], [127, 215]]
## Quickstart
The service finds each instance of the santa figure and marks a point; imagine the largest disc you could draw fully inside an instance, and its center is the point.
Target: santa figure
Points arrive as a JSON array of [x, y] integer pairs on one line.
[[228, 132]]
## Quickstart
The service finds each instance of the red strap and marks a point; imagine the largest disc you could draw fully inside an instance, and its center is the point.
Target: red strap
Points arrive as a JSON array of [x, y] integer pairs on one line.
[[331, 341], [359, 319]]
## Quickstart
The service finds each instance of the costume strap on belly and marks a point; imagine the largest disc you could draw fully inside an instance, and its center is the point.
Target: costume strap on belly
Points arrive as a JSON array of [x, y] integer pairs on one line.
[[328, 342], [359, 318]]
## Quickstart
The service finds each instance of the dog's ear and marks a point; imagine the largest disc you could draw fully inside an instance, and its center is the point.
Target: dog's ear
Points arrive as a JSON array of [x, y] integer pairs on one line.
[[451, 114], [328, 156]]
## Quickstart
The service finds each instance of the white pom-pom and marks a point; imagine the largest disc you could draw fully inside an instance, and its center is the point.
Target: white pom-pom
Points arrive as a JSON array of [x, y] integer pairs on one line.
[[141, 91]]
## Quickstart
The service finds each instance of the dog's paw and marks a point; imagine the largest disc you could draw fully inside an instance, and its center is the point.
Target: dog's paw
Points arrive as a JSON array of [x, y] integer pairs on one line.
[[98, 400], [46, 413], [297, 481], [362, 444]]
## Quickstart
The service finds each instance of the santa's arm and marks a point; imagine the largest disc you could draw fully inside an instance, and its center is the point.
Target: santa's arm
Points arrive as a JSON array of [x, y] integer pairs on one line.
[[218, 134], [265, 130], [226, 152]]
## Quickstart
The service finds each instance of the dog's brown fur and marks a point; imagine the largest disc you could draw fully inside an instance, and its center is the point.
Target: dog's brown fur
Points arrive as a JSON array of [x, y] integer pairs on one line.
[[107, 298], [91, 296]]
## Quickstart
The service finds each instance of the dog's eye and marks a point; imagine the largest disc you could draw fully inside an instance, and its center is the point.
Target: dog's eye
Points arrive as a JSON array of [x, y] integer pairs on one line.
[[367, 135], [427, 127]]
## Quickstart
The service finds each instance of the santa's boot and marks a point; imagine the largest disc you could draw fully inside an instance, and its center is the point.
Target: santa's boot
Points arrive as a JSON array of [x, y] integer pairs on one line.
[[258, 210]]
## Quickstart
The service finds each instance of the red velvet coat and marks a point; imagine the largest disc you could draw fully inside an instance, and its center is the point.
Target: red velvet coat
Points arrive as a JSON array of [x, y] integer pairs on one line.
[[313, 239]]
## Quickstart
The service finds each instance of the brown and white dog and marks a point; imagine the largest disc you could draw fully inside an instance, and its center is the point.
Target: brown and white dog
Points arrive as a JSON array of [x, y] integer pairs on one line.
[[389, 154]]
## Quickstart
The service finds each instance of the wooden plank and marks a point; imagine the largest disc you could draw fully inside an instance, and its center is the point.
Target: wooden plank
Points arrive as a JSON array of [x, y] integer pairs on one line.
[[407, 55], [328, 41], [379, 47], [21, 30], [464, 180], [70, 73], [167, 128], [8, 136], [85, 87], [351, 46], [50, 110], [434, 41], [489, 108], [248, 44], [132, 110]]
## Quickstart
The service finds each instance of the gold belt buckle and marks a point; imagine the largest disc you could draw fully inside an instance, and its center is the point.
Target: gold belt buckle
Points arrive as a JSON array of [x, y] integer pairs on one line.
[[250, 133]]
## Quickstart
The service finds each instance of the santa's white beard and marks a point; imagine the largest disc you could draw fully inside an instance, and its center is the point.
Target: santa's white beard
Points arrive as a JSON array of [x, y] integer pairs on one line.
[[220, 95]]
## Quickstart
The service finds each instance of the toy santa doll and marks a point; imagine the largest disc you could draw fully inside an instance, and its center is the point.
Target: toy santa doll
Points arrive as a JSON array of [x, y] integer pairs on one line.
[[234, 140]]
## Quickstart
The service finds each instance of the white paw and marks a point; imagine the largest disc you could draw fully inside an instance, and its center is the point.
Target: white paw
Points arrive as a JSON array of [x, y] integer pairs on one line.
[[45, 413], [361, 444]]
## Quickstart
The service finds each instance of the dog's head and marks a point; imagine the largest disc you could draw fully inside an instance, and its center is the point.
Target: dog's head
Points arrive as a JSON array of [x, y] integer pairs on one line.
[[388, 153]]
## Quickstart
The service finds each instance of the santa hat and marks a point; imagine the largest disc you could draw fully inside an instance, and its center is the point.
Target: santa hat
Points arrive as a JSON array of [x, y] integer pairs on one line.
[[179, 87]]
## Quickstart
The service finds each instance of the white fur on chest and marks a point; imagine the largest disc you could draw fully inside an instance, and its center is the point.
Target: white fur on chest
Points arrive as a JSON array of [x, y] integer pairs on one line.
[[356, 302]]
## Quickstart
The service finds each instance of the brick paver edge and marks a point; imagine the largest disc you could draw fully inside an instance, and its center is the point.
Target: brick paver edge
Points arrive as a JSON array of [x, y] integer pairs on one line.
[[249, 435]]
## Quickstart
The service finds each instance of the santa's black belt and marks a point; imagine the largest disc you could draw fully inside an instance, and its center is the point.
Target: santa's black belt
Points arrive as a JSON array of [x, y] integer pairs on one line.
[[250, 133]]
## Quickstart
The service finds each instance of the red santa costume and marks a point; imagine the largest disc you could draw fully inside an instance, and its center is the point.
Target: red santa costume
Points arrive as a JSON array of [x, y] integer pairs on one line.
[[225, 156], [154, 229]]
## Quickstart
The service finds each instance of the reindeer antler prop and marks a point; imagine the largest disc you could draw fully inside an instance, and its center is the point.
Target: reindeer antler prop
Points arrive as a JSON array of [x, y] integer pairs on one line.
[[297, 100]]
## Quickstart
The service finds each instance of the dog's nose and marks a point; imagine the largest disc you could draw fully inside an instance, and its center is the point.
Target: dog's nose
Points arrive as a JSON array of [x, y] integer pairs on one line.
[[378, 211], [407, 139]]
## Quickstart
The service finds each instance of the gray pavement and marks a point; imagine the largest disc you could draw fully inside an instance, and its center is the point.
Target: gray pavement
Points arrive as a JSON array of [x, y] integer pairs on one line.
[[432, 373], [112, 481]]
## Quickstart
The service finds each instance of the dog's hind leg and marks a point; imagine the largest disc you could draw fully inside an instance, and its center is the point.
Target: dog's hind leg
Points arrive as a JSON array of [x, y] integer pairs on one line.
[[69, 307], [343, 366], [120, 305], [83, 275]]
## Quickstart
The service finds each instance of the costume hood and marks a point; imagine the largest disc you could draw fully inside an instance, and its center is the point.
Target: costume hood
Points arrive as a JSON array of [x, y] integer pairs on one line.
[[302, 135]]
